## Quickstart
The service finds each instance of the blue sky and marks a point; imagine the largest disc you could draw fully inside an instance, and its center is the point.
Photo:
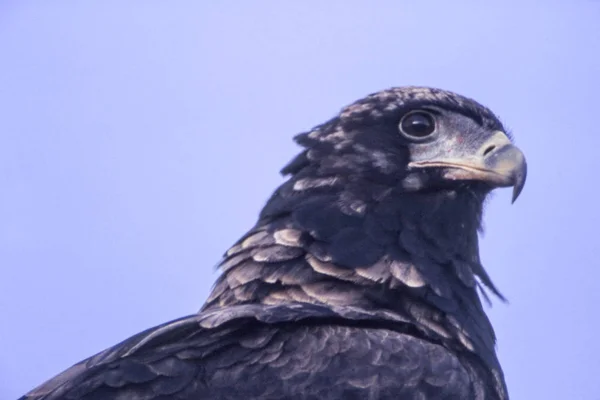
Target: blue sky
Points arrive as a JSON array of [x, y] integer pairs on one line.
[[138, 140]]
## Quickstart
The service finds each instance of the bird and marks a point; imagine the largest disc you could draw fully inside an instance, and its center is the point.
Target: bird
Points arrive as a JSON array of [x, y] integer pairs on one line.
[[361, 278]]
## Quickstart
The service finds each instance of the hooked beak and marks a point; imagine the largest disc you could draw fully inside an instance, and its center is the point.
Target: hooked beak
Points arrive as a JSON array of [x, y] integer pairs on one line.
[[497, 162]]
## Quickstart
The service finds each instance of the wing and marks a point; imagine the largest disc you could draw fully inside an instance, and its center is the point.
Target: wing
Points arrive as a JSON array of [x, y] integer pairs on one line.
[[279, 353]]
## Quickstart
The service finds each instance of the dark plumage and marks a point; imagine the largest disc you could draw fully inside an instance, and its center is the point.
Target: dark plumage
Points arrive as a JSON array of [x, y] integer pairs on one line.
[[359, 280]]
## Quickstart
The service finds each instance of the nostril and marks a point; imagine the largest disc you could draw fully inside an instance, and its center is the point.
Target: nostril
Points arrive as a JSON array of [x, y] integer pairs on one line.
[[489, 150]]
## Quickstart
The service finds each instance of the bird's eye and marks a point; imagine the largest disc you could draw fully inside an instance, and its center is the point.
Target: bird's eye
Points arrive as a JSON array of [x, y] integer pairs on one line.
[[417, 125]]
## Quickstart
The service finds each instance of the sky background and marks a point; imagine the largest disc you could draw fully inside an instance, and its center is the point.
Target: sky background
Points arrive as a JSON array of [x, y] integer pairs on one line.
[[139, 139]]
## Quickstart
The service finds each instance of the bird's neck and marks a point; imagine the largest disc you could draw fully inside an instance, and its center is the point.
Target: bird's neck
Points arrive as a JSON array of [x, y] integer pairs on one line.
[[413, 254]]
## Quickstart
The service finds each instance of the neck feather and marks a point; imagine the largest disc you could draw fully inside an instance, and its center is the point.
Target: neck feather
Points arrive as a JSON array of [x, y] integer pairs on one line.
[[323, 241]]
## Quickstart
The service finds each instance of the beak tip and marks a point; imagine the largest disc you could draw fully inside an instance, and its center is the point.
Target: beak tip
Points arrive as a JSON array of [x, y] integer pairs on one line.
[[514, 196], [519, 183]]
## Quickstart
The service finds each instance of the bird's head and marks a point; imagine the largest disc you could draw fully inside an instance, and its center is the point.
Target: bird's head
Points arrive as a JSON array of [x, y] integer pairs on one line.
[[422, 139]]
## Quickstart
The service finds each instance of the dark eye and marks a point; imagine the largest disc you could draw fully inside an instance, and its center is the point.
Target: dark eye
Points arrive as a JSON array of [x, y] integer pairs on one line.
[[417, 124]]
